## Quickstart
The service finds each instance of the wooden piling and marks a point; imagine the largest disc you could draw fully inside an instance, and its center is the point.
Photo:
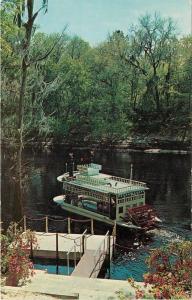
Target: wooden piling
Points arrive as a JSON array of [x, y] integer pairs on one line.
[[57, 255], [109, 255], [83, 244], [24, 223], [92, 227], [46, 224], [69, 225], [31, 248]]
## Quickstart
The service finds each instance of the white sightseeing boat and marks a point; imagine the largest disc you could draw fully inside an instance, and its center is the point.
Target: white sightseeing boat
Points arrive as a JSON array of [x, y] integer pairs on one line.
[[106, 198]]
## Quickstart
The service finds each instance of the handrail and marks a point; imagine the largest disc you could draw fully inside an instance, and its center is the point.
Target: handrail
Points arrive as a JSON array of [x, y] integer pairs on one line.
[[100, 254], [102, 242], [68, 258], [46, 219]]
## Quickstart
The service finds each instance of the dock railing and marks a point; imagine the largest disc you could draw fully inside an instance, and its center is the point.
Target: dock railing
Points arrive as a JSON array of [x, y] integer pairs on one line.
[[68, 253], [23, 223], [99, 255]]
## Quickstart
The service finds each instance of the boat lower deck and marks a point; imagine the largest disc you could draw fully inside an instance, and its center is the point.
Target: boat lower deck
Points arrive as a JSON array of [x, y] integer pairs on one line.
[[94, 215]]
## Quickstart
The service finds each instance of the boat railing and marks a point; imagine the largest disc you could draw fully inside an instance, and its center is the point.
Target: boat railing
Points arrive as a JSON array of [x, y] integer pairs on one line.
[[93, 181], [128, 181], [96, 181], [107, 187]]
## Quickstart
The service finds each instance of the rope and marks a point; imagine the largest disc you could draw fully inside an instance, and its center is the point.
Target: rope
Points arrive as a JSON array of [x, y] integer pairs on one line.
[[76, 220], [57, 220], [123, 247], [64, 236], [36, 219], [46, 234], [20, 221], [43, 218], [78, 245], [87, 236], [69, 237]]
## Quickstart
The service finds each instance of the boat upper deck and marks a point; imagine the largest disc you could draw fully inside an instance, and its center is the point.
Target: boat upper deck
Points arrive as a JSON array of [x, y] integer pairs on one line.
[[107, 184]]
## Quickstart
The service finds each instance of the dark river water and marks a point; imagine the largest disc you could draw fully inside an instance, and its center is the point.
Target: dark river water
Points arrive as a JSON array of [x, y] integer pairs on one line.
[[166, 175]]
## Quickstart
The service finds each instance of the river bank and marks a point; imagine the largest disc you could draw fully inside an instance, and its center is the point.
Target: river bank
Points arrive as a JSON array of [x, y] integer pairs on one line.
[[138, 143], [148, 144]]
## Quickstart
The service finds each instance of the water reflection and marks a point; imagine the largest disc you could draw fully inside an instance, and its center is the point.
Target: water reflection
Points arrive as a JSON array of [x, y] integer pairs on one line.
[[167, 176]]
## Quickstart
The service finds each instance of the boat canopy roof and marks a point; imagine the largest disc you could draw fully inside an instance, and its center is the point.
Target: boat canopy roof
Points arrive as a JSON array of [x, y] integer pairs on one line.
[[90, 179]]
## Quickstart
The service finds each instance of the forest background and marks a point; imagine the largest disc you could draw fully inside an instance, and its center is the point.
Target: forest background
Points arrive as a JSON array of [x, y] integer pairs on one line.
[[57, 88]]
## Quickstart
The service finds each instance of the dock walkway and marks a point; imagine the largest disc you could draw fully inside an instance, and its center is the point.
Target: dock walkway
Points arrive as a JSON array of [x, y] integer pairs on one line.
[[87, 251], [87, 266]]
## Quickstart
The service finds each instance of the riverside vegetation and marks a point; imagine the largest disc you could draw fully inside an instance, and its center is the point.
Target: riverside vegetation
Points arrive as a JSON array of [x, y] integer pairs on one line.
[[59, 88]]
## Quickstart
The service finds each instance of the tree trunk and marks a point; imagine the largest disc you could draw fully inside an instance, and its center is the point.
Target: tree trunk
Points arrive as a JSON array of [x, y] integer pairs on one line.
[[26, 44], [156, 91]]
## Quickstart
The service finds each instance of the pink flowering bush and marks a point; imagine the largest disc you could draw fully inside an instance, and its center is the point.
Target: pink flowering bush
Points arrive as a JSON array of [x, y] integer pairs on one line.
[[15, 255], [169, 276]]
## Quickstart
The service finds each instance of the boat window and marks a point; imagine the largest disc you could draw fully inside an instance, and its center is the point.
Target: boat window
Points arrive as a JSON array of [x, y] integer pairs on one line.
[[120, 209]]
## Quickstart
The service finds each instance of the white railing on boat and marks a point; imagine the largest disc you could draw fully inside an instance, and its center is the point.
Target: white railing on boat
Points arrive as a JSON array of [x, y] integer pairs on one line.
[[102, 185], [129, 181], [91, 180]]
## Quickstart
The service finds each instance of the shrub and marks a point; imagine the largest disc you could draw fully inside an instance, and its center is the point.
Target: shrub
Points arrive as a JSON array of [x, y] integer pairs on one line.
[[169, 276], [16, 265]]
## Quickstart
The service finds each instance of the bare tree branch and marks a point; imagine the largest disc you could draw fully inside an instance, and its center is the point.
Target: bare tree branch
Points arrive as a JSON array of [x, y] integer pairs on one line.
[[48, 52]]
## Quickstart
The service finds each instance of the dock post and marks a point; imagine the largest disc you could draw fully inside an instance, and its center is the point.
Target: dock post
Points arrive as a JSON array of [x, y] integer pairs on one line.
[[83, 244], [46, 224], [75, 257], [57, 255], [69, 224], [68, 263], [109, 255], [92, 228], [31, 248], [114, 237], [24, 223]]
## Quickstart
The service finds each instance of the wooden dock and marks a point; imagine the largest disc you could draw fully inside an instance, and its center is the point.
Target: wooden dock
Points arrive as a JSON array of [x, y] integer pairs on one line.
[[88, 252]]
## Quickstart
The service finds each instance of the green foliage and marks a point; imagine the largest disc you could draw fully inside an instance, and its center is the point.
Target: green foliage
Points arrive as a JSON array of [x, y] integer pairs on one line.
[[138, 83]]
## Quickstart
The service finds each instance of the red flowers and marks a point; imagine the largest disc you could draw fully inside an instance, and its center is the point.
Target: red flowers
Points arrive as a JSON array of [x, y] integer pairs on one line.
[[170, 273], [16, 264]]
